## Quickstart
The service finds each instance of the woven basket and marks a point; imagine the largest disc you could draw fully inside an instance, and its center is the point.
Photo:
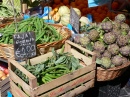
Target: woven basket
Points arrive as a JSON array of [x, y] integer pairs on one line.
[[4, 24], [112, 73], [7, 51]]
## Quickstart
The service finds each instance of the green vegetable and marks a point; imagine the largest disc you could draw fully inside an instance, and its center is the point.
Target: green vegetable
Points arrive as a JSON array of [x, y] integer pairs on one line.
[[44, 33], [54, 67]]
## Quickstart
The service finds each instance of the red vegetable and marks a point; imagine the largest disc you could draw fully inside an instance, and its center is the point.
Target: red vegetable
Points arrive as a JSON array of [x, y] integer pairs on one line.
[[6, 71]]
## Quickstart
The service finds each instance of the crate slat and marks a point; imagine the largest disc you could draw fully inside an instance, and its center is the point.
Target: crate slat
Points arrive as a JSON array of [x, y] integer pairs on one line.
[[18, 80], [17, 92], [5, 87], [4, 94], [2, 83], [70, 85], [80, 89]]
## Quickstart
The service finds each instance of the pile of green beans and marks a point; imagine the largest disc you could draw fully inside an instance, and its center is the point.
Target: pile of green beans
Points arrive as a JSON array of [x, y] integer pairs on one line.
[[44, 33]]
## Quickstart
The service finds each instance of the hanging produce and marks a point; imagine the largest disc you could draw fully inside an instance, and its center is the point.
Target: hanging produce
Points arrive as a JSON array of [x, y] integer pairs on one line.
[[6, 11]]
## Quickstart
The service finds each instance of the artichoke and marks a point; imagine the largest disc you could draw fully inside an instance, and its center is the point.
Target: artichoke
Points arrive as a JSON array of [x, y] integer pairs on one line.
[[113, 49], [93, 35], [120, 18], [125, 50], [128, 33], [77, 39], [117, 60], [106, 62], [124, 60], [106, 54], [84, 41], [116, 25], [107, 26], [109, 38], [125, 27], [122, 40], [117, 32], [99, 46]]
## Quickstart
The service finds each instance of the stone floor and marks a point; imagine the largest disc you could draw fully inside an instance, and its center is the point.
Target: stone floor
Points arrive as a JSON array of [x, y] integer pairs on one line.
[[125, 92], [119, 87]]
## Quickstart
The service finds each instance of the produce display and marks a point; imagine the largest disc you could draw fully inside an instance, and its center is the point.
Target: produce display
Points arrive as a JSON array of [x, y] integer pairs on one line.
[[44, 33], [4, 73], [54, 67], [5, 11], [109, 40], [98, 13]]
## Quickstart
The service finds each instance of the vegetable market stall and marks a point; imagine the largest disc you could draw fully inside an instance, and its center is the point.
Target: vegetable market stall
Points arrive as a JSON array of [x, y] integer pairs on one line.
[[61, 14], [71, 84]]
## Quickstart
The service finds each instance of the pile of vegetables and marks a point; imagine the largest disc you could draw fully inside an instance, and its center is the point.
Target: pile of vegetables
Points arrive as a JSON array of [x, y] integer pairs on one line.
[[110, 40], [54, 67], [5, 11], [4, 73], [44, 33], [98, 13], [62, 15]]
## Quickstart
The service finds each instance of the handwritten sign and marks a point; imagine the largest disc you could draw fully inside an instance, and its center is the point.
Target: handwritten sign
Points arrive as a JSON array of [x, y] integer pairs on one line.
[[74, 20], [24, 45]]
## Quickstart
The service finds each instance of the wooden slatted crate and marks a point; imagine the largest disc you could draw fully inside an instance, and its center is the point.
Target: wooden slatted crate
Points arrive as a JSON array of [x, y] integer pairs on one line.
[[4, 87], [67, 85]]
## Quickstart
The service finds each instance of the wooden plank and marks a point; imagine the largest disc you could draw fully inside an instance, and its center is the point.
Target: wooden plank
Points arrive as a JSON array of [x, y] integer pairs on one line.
[[70, 85], [16, 91], [40, 58], [67, 47], [5, 87], [21, 68], [2, 83], [18, 80], [63, 79], [79, 47], [31, 77], [87, 61], [4, 94], [79, 89]]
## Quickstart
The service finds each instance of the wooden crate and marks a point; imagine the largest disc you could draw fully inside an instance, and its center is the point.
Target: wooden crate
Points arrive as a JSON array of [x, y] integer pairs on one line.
[[67, 85], [4, 87]]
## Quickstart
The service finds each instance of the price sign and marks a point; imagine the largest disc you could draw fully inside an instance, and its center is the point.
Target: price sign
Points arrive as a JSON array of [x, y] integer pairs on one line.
[[74, 20], [24, 45]]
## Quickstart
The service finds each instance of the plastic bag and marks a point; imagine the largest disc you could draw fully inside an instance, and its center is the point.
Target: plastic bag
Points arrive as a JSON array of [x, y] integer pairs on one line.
[[94, 3]]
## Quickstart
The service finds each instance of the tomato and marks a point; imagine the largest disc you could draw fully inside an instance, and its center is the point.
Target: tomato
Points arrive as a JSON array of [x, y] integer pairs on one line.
[[6, 71]]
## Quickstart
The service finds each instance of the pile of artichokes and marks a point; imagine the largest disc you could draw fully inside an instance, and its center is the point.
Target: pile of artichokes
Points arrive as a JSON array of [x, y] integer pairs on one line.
[[110, 40]]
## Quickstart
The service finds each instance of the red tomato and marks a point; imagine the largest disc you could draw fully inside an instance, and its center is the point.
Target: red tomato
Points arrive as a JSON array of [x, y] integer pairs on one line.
[[6, 71]]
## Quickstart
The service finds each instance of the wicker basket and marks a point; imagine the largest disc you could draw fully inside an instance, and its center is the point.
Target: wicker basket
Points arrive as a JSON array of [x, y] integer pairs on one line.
[[7, 51], [6, 23], [112, 73]]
